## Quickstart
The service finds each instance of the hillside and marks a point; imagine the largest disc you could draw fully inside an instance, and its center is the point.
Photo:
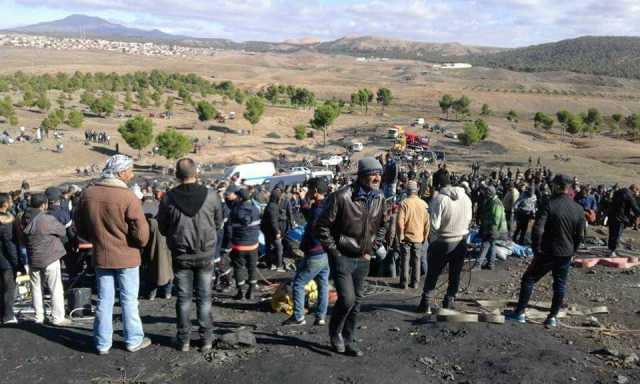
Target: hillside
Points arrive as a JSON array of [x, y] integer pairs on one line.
[[617, 56]]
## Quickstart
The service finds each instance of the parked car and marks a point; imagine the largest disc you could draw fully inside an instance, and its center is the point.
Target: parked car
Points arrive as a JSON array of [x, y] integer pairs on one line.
[[331, 161], [356, 147]]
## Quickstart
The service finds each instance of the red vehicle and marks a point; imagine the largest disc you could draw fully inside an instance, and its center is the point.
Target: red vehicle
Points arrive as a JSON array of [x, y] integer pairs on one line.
[[413, 140]]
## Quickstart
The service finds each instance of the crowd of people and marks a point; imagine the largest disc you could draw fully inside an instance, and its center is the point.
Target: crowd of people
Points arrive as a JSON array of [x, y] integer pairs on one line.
[[194, 235], [91, 136]]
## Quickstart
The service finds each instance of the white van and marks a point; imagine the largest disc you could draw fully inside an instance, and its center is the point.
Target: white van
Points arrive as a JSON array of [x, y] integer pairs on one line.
[[251, 173]]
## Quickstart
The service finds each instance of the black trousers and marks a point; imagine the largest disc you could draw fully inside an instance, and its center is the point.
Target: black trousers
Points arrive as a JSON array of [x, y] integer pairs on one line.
[[442, 253], [539, 267], [522, 223], [188, 279], [615, 234], [8, 291], [349, 275], [244, 265]]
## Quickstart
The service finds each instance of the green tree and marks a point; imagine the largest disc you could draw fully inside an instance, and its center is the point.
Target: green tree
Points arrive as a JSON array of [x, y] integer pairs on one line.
[[615, 127], [633, 123], [75, 119], [61, 100], [512, 116], [7, 110], [445, 104], [483, 128], [324, 116], [42, 102], [137, 132], [543, 120], [470, 135], [239, 97], [575, 124], [156, 96], [254, 108], [593, 121], [461, 106], [173, 144], [28, 98], [485, 111], [87, 98], [168, 104], [185, 95], [128, 101], [563, 118], [143, 100], [205, 111], [103, 105], [300, 131], [384, 97]]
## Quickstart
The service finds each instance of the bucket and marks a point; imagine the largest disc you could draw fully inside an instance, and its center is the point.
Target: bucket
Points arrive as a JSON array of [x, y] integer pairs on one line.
[[79, 301]]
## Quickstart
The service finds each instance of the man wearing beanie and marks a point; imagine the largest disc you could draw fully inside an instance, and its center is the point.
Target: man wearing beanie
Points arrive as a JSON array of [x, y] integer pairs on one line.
[[350, 229], [556, 236], [245, 229], [450, 220], [413, 230]]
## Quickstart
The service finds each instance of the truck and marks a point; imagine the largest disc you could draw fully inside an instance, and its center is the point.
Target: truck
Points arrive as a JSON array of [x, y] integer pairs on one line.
[[251, 173]]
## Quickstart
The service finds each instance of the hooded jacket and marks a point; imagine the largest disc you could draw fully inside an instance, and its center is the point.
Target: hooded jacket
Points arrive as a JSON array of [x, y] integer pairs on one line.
[[450, 214], [494, 222], [43, 234], [8, 246], [190, 216]]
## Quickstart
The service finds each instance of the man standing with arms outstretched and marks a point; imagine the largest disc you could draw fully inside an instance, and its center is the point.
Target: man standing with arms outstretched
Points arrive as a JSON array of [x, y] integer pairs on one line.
[[350, 229]]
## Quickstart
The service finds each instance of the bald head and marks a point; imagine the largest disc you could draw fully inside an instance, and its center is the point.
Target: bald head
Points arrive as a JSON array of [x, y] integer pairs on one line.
[[186, 170]]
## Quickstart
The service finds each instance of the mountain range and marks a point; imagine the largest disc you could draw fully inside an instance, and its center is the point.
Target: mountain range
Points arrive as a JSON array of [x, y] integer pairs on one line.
[[600, 55]]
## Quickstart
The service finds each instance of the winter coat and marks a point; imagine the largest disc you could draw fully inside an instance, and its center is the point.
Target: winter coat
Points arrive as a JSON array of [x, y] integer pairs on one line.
[[310, 244], [110, 217], [623, 207], [451, 214], [271, 224], [352, 223], [190, 216], [413, 220], [156, 257], [8, 243], [245, 226], [43, 235], [559, 227], [494, 223]]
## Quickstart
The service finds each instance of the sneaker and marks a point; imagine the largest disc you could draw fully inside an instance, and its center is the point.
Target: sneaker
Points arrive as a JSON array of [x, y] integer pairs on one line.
[[320, 322], [293, 321], [353, 351], [551, 322], [613, 254], [103, 352], [11, 321], [167, 296], [206, 346], [183, 347], [449, 302], [62, 323], [273, 268], [513, 316], [143, 344], [281, 270]]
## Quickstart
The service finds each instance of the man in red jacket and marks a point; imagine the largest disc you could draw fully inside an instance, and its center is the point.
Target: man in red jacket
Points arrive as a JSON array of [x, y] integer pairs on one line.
[[110, 217]]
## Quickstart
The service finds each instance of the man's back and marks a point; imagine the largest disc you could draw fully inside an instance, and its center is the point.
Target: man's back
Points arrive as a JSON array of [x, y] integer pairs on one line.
[[413, 219], [451, 213], [559, 227], [111, 218], [623, 204]]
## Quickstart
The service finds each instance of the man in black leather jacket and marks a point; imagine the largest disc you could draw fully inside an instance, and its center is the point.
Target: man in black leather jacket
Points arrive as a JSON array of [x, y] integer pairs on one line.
[[622, 213], [190, 216], [351, 229]]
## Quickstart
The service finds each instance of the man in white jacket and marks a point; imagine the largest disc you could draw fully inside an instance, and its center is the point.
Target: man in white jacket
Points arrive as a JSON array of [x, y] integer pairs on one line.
[[450, 219]]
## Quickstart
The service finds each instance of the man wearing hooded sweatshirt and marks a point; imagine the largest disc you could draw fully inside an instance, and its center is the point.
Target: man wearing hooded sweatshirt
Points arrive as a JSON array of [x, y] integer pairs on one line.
[[493, 228], [245, 229], [110, 217], [450, 219], [271, 226], [43, 236], [190, 216], [351, 228]]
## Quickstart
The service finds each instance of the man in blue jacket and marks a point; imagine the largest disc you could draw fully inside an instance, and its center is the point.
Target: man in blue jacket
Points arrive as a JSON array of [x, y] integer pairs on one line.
[[245, 229], [315, 264]]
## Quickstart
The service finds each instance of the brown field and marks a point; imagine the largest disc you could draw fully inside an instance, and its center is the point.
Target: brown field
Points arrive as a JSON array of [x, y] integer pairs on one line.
[[416, 89]]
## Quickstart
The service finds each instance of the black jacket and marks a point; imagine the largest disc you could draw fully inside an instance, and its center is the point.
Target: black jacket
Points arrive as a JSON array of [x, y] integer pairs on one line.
[[352, 224], [245, 224], [191, 231], [271, 222], [559, 227], [8, 246], [623, 206]]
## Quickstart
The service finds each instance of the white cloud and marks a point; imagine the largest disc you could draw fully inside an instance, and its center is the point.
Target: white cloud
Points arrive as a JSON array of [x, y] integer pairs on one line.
[[479, 22]]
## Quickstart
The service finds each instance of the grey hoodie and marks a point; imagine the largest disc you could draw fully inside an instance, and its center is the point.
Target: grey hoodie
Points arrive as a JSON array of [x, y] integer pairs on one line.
[[43, 234], [450, 214]]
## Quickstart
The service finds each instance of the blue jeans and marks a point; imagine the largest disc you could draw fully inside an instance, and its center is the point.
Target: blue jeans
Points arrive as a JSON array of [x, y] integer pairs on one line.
[[311, 267], [488, 253], [128, 285], [539, 267], [186, 280]]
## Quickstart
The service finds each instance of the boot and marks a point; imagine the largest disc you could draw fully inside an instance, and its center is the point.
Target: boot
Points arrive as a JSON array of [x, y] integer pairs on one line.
[[449, 302], [425, 306], [240, 294], [249, 295]]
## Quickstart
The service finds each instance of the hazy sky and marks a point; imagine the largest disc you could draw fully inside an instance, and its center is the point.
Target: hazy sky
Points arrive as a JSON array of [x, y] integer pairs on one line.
[[507, 23]]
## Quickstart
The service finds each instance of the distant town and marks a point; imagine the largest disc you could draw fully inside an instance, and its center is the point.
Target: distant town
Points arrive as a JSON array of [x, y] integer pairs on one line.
[[130, 48]]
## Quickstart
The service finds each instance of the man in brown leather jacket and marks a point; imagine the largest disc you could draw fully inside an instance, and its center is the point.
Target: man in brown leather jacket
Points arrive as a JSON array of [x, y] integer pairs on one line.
[[351, 229]]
